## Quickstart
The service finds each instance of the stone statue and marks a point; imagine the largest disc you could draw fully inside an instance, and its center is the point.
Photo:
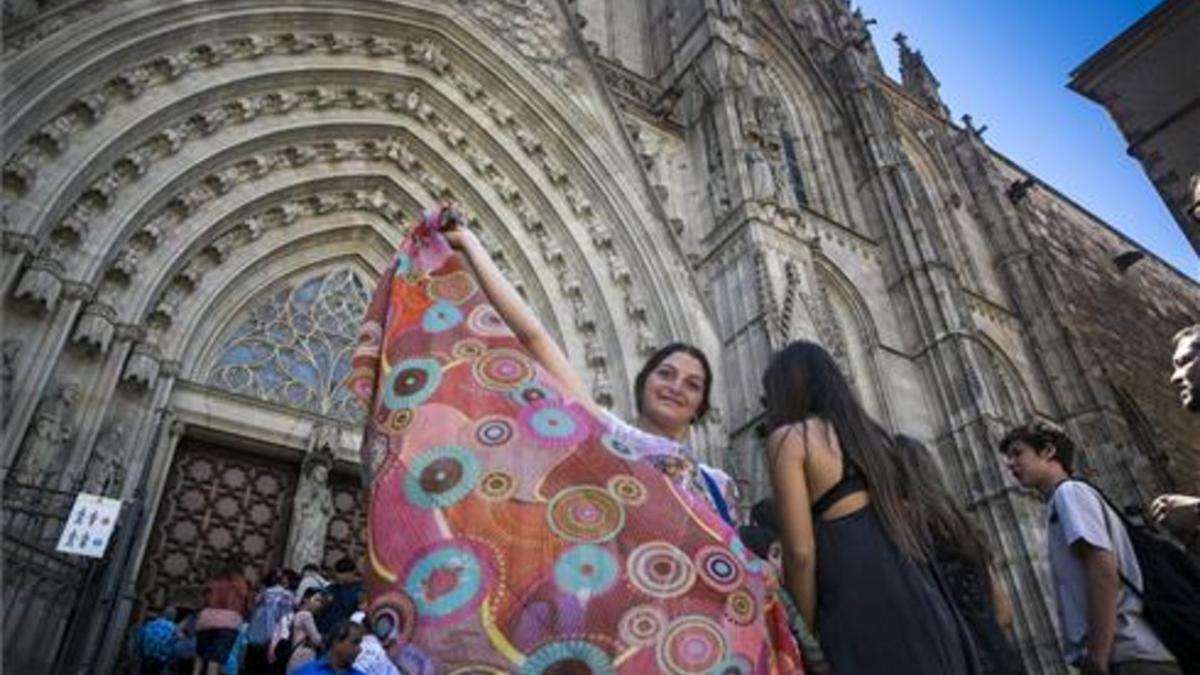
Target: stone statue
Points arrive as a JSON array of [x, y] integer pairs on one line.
[[105, 471], [48, 436], [762, 179], [312, 508]]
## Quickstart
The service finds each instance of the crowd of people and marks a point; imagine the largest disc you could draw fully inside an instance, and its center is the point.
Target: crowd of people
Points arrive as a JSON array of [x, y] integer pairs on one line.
[[295, 624], [882, 569]]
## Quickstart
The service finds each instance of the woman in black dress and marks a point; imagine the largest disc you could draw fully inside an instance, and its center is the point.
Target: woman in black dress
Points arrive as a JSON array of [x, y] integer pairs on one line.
[[855, 563], [962, 557]]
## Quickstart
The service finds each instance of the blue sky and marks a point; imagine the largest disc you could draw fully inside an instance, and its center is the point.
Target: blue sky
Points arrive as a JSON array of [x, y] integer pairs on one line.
[[1007, 63]]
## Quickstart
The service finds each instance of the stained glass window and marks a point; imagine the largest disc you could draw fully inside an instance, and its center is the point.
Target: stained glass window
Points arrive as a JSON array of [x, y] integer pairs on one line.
[[294, 348]]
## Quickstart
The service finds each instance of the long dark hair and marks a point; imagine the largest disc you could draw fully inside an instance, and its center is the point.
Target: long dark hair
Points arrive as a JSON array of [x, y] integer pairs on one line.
[[943, 519], [803, 381], [639, 383]]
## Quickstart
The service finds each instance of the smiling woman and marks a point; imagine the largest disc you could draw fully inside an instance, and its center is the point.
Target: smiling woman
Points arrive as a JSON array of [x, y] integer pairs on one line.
[[515, 524]]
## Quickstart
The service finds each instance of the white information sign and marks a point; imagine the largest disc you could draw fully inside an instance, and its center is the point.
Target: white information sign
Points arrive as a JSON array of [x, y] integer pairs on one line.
[[89, 526]]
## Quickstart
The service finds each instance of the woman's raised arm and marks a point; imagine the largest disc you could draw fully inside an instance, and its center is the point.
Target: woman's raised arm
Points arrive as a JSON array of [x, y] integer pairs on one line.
[[517, 313]]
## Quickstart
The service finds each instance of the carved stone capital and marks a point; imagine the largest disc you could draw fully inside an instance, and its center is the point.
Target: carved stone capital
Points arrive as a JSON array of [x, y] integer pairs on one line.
[[41, 284], [96, 328], [142, 368]]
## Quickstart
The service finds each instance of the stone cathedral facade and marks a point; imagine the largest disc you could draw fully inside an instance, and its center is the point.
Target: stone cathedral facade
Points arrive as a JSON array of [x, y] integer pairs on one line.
[[199, 196]]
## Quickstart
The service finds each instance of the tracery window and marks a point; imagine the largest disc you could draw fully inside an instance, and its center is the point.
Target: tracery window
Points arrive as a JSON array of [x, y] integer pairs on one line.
[[294, 348]]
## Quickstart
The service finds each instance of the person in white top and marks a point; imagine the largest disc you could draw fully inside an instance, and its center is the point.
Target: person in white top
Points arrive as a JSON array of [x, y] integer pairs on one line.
[[372, 657], [310, 578], [1100, 617]]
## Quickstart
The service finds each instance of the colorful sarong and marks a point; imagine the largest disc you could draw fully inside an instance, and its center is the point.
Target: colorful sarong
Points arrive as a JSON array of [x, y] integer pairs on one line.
[[509, 529]]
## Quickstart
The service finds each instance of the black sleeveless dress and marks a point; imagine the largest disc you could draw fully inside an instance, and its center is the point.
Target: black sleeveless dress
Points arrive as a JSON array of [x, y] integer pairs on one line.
[[970, 587], [879, 612]]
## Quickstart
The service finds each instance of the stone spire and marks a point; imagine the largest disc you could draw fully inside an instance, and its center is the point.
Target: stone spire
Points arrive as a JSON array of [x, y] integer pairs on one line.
[[916, 77]]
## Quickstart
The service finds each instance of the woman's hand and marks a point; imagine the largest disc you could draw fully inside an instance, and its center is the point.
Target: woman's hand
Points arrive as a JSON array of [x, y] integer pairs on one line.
[[460, 238], [457, 235]]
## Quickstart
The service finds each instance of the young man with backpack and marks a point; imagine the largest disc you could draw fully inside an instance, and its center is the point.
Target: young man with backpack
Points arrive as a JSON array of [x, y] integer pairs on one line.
[[1098, 580]]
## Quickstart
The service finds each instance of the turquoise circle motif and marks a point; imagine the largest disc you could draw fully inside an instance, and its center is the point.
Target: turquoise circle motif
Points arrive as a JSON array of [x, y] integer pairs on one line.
[[574, 653], [553, 423], [411, 382], [441, 476], [440, 317], [444, 581], [586, 570]]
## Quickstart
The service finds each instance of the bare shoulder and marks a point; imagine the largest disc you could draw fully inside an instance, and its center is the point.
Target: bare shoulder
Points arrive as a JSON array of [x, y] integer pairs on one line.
[[798, 438]]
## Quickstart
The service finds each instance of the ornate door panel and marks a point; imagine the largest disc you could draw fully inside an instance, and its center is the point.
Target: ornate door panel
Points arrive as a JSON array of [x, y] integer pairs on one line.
[[346, 534], [217, 502]]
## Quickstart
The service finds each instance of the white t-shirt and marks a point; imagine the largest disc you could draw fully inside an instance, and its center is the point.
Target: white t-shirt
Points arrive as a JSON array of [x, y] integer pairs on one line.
[[1077, 512]]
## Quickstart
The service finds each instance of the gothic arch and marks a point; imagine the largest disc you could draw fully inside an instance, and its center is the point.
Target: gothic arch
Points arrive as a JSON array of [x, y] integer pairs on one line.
[[813, 116], [169, 122], [929, 174], [967, 243], [1005, 384], [855, 336]]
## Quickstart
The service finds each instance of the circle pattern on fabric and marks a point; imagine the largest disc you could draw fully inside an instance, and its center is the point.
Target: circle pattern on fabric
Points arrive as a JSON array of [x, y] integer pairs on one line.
[[497, 485], [502, 369], [618, 446], [455, 287], [586, 570], [531, 393], [691, 644], [740, 607], [440, 317], [734, 664], [569, 657], [628, 489], [468, 349], [660, 570], [485, 320], [641, 625], [446, 580], [585, 514], [554, 426], [393, 618], [441, 476], [411, 382], [494, 431], [718, 568]]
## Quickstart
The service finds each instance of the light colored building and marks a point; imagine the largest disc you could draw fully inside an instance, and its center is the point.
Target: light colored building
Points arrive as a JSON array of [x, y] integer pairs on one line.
[[1148, 79], [198, 197]]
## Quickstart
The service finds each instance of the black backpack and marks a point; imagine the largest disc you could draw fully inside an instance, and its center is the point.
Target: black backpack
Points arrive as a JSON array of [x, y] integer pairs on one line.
[[1171, 589]]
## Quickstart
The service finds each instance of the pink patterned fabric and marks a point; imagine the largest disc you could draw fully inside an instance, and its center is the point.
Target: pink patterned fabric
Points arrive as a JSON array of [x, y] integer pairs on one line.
[[509, 529]]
